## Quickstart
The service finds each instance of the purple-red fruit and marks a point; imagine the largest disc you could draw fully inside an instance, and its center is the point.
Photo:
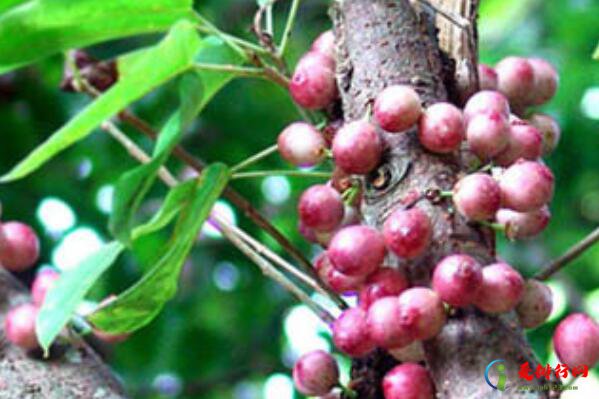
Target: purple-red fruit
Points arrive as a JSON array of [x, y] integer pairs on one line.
[[456, 279], [516, 80], [44, 280], [384, 326], [525, 141], [316, 373], [501, 290], [486, 101], [487, 77], [350, 333], [338, 282], [526, 186], [357, 147], [357, 250], [19, 326], [549, 129], [408, 232], [301, 144], [536, 304], [576, 340], [397, 108], [383, 283], [313, 84], [522, 225], [20, 246], [422, 313], [477, 196], [321, 208], [408, 381], [441, 128], [325, 44], [545, 81], [488, 134]]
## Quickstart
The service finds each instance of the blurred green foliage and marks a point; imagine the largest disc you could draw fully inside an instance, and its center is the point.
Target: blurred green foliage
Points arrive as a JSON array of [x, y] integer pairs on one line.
[[223, 334]]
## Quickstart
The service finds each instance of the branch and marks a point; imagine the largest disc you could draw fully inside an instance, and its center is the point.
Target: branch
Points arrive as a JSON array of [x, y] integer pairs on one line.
[[575, 251]]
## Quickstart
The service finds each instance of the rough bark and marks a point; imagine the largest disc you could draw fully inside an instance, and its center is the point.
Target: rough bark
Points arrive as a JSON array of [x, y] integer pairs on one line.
[[385, 42], [75, 372]]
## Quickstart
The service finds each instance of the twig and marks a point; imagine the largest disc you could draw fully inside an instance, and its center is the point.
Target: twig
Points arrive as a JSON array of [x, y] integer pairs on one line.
[[238, 70], [571, 254], [211, 28], [265, 173], [255, 158], [288, 27]]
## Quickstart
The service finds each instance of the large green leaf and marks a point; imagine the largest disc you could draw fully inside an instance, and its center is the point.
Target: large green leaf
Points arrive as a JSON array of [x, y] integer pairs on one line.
[[172, 56], [39, 28], [139, 304], [70, 289]]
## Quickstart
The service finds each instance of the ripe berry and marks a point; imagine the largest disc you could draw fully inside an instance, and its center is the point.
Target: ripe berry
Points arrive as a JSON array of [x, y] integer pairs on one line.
[[338, 282], [549, 129], [407, 232], [477, 196], [383, 283], [19, 326], [456, 279], [536, 304], [525, 141], [20, 247], [350, 333], [545, 81], [441, 128], [422, 312], [357, 147], [384, 325], [316, 373], [325, 44], [321, 208], [413, 352], [501, 290], [487, 134], [515, 79], [307, 232], [408, 381], [521, 225], [487, 77], [576, 340], [397, 108], [301, 144], [357, 250], [313, 84], [486, 101], [44, 280], [526, 186]]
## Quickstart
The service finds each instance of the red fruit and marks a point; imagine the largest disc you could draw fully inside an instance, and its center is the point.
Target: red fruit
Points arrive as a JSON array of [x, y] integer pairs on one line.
[[357, 250], [44, 280], [456, 279], [325, 44], [357, 147], [321, 208], [501, 290], [301, 144], [526, 186], [477, 196], [383, 283], [487, 77], [525, 141], [397, 108], [350, 333], [407, 232], [19, 326], [408, 381], [549, 129], [313, 84], [521, 225], [576, 340], [536, 304], [486, 101], [516, 79], [422, 312], [307, 232], [441, 128], [413, 352], [545, 81], [488, 134], [20, 246], [384, 325], [338, 282], [316, 373]]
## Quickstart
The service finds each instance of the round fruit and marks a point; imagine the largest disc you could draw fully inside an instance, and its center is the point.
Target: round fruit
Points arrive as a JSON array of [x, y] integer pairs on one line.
[[357, 250], [321, 208], [545, 82], [422, 313], [384, 325], [456, 279], [576, 340], [407, 232], [357, 147], [383, 283], [313, 84], [501, 290], [477, 196], [325, 44], [20, 248], [350, 333], [338, 282], [441, 128], [516, 79], [526, 186], [522, 225], [487, 77], [488, 134], [397, 108], [486, 101], [536, 304], [549, 129], [525, 141], [408, 381], [316, 373], [44, 280], [301, 144], [19, 326]]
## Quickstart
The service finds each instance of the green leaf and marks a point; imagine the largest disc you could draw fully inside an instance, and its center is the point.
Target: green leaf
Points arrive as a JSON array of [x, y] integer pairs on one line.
[[7, 4], [596, 53], [70, 289], [139, 304], [40, 28], [175, 54]]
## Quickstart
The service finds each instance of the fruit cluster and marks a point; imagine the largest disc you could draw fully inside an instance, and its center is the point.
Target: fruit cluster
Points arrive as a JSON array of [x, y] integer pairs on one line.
[[512, 190]]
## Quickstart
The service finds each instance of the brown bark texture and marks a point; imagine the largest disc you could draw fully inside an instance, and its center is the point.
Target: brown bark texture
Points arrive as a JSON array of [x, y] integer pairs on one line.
[[386, 42], [72, 372]]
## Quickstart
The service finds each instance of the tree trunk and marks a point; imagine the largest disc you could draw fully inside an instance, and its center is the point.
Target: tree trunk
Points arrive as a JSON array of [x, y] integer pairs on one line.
[[386, 42], [77, 372]]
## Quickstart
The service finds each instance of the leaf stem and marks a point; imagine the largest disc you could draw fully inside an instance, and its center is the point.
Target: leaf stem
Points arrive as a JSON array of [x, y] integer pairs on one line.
[[288, 27], [211, 28], [295, 173], [255, 158], [239, 70], [495, 226]]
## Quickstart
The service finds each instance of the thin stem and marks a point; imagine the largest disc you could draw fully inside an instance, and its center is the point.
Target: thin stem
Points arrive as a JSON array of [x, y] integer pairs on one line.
[[267, 173], [288, 27], [575, 251], [255, 158], [237, 40], [495, 226], [239, 70], [269, 28], [211, 28], [445, 194]]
